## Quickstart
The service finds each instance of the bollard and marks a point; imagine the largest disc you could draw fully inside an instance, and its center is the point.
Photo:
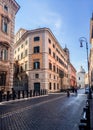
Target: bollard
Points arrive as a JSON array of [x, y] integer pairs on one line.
[[14, 95], [0, 96], [33, 93], [19, 94], [27, 93], [23, 93], [41, 92], [83, 126], [8, 95]]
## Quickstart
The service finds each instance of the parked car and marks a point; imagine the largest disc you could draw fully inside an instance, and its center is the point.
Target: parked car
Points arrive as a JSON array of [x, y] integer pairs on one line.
[[87, 90]]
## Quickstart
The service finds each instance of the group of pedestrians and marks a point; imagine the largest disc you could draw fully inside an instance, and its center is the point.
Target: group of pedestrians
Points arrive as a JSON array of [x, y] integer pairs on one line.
[[74, 90]]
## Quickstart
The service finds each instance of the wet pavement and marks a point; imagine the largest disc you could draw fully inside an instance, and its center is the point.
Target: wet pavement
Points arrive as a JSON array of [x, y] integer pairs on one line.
[[53, 112]]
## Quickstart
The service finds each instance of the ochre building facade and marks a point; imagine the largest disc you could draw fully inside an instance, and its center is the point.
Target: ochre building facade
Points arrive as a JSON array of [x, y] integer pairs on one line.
[[8, 10], [41, 59]]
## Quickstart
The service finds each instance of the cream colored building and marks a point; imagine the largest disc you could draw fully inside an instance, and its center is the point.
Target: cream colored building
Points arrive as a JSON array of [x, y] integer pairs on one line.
[[8, 10], [42, 59], [81, 78]]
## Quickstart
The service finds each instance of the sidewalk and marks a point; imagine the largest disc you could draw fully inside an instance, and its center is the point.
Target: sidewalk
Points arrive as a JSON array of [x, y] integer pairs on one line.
[[91, 112]]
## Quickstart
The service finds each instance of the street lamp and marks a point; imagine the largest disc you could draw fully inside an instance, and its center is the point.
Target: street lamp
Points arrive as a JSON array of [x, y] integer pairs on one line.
[[84, 40]]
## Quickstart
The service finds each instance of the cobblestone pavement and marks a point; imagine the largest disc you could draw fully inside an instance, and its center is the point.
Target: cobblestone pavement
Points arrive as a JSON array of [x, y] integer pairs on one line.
[[53, 112]]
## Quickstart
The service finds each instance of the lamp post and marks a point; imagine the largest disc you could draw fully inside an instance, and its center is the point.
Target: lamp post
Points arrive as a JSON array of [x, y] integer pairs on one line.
[[84, 40]]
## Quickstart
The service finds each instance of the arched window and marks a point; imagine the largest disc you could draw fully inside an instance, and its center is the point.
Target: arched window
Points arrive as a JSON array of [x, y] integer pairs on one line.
[[4, 54]]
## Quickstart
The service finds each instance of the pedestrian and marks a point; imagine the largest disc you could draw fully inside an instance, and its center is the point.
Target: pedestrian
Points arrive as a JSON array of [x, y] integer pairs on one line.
[[68, 93]]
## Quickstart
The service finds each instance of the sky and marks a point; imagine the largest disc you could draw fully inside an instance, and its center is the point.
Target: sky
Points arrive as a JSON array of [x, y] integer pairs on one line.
[[68, 20]]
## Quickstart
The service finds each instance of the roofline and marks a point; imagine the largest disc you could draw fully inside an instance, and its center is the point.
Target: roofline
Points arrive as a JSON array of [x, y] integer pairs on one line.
[[14, 1], [43, 29]]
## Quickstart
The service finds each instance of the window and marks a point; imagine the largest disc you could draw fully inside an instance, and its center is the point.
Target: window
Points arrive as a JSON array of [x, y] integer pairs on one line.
[[50, 86], [3, 78], [36, 65], [22, 46], [36, 75], [36, 39], [26, 42], [53, 46], [26, 52], [49, 51], [50, 66], [5, 22], [57, 86], [21, 68], [57, 58], [18, 49], [53, 54], [4, 54], [18, 57], [26, 65], [49, 41], [57, 70], [54, 86], [5, 26], [21, 55], [36, 49], [5, 8], [54, 68]]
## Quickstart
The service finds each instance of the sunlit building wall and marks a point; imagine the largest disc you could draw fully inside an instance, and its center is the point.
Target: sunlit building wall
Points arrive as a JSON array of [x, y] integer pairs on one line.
[[42, 59], [8, 10]]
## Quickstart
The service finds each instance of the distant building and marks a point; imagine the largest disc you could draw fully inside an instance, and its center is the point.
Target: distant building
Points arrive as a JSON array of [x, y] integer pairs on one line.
[[73, 79], [41, 59], [86, 79], [81, 78], [8, 10]]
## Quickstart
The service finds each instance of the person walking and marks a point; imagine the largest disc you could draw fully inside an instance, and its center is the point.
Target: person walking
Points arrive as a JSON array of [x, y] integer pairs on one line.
[[68, 93]]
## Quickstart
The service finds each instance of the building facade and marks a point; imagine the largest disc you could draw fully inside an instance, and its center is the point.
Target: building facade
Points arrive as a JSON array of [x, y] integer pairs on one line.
[[91, 53], [81, 78], [73, 79], [41, 59], [8, 10]]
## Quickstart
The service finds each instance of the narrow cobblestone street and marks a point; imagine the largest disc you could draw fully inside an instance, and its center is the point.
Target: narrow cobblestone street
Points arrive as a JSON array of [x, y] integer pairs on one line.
[[53, 112]]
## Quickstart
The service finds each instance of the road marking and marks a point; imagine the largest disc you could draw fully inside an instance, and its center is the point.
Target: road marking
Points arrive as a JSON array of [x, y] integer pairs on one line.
[[28, 107]]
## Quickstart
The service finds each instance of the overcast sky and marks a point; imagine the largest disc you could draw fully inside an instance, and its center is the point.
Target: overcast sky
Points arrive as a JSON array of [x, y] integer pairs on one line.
[[67, 19]]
